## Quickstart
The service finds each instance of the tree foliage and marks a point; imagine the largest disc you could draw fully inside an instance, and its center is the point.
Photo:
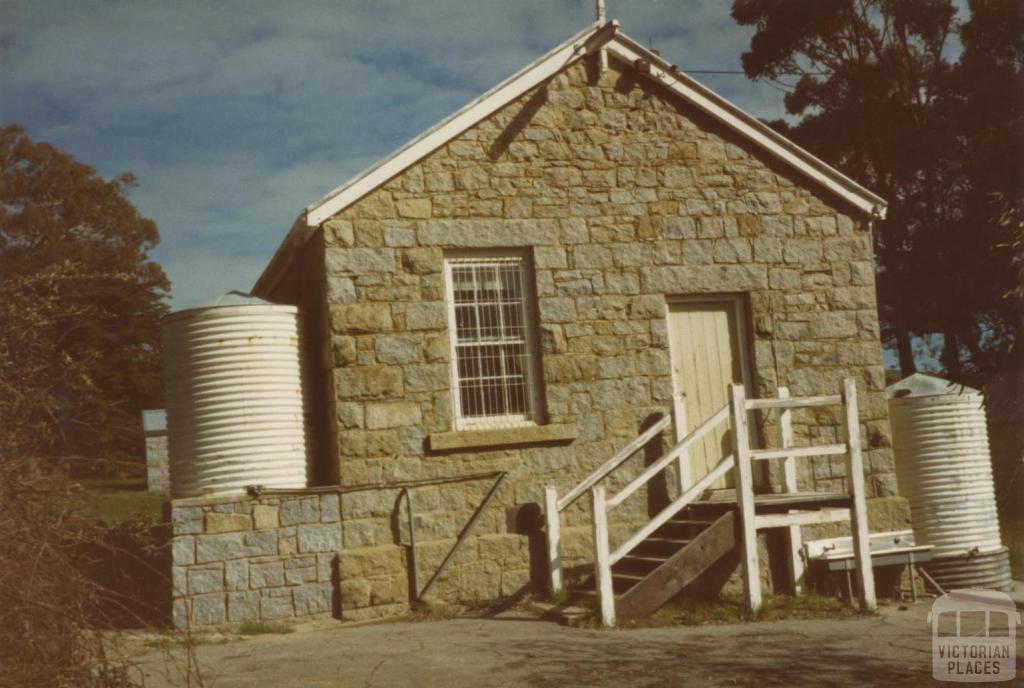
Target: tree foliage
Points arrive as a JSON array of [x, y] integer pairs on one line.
[[879, 97], [80, 305]]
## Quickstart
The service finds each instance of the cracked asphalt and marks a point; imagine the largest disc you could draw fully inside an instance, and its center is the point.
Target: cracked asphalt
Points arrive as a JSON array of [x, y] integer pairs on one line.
[[891, 649]]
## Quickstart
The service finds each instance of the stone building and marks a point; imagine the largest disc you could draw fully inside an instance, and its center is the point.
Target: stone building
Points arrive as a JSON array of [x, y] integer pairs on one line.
[[596, 241]]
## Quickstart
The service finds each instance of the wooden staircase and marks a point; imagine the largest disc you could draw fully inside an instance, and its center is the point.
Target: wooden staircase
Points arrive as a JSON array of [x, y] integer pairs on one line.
[[668, 561], [687, 537]]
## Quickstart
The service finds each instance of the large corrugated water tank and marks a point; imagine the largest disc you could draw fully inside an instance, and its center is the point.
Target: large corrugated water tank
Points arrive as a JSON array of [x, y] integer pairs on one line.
[[944, 469], [234, 397]]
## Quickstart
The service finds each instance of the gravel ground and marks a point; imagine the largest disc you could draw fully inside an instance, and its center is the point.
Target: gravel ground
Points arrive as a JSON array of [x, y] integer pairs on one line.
[[891, 649]]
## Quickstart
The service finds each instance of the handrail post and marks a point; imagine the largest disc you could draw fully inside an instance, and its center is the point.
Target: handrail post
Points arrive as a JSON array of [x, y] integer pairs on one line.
[[412, 546], [554, 538], [745, 499], [684, 473], [858, 509], [797, 568], [602, 558]]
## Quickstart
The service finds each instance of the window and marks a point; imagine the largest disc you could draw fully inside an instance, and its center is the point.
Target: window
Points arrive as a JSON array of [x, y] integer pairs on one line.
[[493, 342]]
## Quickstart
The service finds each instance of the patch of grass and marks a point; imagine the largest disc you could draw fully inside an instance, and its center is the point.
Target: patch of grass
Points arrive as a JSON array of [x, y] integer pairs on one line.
[[265, 627], [730, 608], [546, 597], [121, 499], [1013, 536]]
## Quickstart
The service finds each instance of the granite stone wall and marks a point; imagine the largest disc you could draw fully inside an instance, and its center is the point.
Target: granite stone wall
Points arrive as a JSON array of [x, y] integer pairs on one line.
[[236, 559], [157, 467], [620, 195]]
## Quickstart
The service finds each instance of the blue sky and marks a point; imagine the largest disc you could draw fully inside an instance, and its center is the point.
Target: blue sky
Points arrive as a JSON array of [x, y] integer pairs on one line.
[[236, 115]]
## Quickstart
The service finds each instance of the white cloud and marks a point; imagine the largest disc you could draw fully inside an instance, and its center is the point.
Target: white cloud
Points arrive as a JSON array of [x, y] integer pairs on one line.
[[235, 115]]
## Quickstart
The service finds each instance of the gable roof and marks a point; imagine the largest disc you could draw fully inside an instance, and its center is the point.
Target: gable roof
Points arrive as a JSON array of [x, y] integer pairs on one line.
[[595, 37]]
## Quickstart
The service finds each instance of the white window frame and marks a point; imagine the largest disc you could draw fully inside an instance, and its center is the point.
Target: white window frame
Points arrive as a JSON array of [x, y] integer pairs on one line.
[[531, 365]]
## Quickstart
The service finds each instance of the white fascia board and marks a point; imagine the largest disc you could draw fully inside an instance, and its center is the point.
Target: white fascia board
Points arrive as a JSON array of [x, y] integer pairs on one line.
[[750, 127], [583, 43]]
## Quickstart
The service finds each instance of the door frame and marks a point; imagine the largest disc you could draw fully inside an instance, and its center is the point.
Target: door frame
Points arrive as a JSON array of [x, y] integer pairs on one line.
[[739, 305]]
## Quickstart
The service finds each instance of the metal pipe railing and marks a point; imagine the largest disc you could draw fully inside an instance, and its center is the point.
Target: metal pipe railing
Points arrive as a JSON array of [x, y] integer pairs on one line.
[[464, 534], [413, 569]]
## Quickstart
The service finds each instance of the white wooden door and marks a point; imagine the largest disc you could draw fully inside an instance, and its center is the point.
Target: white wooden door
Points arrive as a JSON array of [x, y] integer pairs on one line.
[[708, 345]]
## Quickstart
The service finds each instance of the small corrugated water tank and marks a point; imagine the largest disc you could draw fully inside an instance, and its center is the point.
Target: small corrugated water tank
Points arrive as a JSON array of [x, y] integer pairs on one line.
[[940, 442], [234, 397]]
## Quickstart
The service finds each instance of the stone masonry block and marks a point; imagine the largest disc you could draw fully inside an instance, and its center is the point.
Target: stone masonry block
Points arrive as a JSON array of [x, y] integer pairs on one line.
[[364, 382], [427, 378], [179, 613], [477, 233], [422, 261], [205, 580], [392, 415], [208, 610], [316, 598], [266, 575], [413, 208], [236, 574], [219, 547], [325, 566], [187, 520], [260, 544], [227, 523], [276, 604], [183, 551], [359, 261], [320, 538], [397, 349], [179, 581], [295, 511], [243, 606], [299, 571], [265, 516], [426, 316], [329, 508], [338, 233], [360, 318], [685, 279]]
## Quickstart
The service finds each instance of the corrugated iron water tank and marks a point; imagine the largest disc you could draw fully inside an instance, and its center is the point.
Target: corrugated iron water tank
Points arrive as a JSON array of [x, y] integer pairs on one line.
[[234, 397], [943, 466]]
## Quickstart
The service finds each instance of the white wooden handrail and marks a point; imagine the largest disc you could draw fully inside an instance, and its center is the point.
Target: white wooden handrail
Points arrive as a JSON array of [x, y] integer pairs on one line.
[[613, 463], [793, 402], [798, 452], [741, 460], [659, 465], [723, 467]]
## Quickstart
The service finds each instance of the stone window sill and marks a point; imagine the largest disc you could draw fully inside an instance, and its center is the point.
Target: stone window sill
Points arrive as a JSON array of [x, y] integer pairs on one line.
[[502, 437]]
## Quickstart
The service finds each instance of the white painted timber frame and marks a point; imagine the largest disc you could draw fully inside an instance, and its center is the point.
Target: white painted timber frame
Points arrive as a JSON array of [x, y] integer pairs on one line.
[[521, 259], [604, 39], [602, 558], [749, 566], [794, 537], [553, 506], [736, 411]]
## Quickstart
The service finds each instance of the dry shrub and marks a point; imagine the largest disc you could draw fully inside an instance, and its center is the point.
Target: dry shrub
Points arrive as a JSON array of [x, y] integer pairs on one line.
[[66, 580]]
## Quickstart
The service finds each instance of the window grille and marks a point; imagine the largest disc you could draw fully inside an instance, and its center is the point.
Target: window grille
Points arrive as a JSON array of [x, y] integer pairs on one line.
[[492, 342]]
